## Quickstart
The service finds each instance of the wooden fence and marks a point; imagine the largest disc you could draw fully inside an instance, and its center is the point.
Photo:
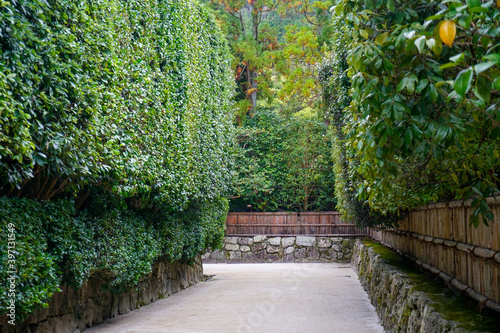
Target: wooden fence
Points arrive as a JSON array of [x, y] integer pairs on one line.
[[285, 223], [440, 238]]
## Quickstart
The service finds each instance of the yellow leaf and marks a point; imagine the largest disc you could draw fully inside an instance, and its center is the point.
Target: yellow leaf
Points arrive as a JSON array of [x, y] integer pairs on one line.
[[447, 32], [250, 91]]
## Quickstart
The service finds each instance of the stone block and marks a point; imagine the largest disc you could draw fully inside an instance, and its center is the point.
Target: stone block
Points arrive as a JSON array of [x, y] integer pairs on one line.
[[218, 255], [324, 242], [231, 240], [232, 247], [312, 253], [262, 255], [244, 248], [273, 249], [258, 247], [289, 250], [337, 248], [272, 257], [306, 241], [300, 253], [325, 254], [276, 241], [287, 241], [249, 257], [289, 258], [259, 238], [234, 255], [124, 304], [245, 240]]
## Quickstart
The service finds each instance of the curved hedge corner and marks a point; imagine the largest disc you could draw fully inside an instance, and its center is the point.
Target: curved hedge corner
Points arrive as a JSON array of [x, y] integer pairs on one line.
[[114, 144]]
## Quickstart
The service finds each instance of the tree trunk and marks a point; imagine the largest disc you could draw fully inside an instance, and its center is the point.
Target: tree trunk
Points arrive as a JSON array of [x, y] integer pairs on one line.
[[252, 77], [252, 84]]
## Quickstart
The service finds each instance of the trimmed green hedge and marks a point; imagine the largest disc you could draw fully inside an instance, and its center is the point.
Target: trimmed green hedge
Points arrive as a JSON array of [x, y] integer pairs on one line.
[[115, 139], [131, 96], [53, 246]]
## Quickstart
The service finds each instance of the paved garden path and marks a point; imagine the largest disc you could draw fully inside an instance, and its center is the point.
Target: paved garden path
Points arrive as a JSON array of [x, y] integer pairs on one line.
[[267, 298]]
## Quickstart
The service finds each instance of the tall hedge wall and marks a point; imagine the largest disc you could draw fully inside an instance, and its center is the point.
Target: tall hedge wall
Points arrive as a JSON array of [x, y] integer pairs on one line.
[[115, 138], [129, 95]]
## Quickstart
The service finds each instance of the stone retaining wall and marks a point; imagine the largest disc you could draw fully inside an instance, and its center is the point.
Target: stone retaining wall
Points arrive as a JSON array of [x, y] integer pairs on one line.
[[399, 306], [73, 311], [261, 248]]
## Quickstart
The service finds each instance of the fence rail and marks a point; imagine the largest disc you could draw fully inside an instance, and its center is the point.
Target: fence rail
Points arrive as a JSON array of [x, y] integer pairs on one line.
[[442, 238], [285, 223]]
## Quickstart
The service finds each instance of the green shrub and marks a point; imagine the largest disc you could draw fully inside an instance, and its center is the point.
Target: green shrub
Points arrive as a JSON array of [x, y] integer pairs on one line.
[[283, 163], [422, 124], [54, 246]]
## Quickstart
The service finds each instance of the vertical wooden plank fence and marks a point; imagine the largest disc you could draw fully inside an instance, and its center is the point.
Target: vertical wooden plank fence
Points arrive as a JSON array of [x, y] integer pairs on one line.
[[442, 238], [286, 223]]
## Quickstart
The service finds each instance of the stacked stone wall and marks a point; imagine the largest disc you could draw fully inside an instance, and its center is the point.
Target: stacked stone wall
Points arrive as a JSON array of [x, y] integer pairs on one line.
[[399, 306], [73, 311], [262, 249]]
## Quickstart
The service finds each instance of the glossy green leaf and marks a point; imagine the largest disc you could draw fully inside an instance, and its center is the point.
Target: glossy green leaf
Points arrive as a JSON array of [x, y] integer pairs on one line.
[[483, 87], [463, 82], [481, 67], [420, 43]]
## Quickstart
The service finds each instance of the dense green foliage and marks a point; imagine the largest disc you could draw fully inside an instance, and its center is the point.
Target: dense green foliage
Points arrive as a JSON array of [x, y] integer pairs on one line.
[[118, 113], [283, 163], [283, 159], [54, 246], [277, 45], [423, 123], [129, 95]]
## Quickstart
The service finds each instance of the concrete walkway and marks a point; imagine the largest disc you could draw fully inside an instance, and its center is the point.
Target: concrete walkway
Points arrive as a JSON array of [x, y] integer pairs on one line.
[[265, 298]]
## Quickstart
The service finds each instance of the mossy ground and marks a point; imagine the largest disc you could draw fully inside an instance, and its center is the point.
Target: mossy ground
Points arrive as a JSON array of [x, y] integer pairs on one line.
[[457, 308]]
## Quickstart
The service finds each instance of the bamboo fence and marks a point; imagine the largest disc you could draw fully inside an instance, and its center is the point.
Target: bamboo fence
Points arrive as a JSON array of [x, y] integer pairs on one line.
[[286, 223], [440, 238]]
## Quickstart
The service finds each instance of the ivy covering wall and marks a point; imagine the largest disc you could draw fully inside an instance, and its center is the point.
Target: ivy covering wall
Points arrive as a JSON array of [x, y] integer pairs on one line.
[[114, 141]]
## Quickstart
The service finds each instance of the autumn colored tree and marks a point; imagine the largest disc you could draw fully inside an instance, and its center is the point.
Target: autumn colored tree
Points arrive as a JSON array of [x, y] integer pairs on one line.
[[277, 45]]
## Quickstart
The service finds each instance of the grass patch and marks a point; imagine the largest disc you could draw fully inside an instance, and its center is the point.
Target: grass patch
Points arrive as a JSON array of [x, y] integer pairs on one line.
[[452, 306]]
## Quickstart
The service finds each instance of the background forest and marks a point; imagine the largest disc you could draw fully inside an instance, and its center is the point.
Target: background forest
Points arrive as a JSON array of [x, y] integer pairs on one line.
[[283, 156]]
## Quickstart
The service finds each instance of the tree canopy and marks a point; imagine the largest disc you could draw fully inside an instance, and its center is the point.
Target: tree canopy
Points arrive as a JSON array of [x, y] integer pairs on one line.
[[421, 120], [277, 45], [283, 163]]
